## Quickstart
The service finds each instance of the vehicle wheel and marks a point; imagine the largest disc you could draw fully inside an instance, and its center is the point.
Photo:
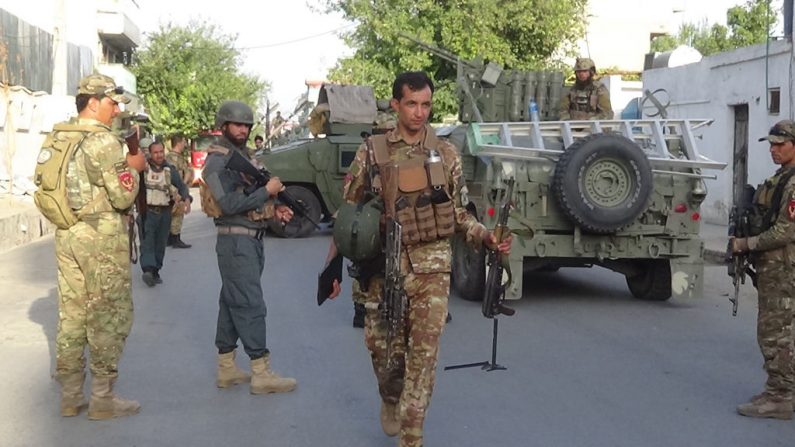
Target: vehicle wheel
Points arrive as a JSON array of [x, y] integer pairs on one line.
[[603, 182], [299, 226], [468, 269], [653, 282]]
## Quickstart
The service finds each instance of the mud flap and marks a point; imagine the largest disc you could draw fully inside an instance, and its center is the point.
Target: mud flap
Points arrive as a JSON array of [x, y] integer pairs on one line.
[[687, 278]]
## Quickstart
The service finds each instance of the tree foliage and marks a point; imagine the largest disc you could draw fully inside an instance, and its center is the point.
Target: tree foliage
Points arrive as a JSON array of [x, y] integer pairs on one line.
[[748, 24], [184, 73], [519, 34]]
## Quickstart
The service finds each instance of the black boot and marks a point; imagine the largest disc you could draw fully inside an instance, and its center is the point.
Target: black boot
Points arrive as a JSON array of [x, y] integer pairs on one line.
[[358, 315], [149, 277], [170, 240], [158, 280], [178, 242]]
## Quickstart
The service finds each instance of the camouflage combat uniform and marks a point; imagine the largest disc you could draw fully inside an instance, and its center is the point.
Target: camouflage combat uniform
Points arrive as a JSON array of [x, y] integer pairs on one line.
[[586, 102], [95, 296], [409, 380], [178, 161], [773, 254]]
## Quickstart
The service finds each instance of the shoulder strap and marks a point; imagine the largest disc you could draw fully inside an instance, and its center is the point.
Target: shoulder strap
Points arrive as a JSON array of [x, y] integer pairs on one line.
[[380, 149], [215, 149]]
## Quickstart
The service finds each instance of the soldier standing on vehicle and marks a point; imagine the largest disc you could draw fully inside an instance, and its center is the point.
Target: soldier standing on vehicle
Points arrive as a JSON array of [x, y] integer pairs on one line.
[[428, 178], [177, 159], [240, 221], [588, 99], [772, 251], [94, 291], [164, 188]]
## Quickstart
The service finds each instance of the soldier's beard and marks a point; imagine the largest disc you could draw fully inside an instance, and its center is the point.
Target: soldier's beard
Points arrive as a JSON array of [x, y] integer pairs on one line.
[[585, 83]]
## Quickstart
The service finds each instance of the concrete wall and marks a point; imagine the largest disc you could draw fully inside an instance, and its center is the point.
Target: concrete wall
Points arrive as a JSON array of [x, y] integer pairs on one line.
[[710, 88]]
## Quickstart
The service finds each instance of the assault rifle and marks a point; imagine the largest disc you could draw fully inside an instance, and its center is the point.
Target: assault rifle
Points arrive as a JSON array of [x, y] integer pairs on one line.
[[261, 177], [133, 141], [494, 295], [739, 226], [393, 307]]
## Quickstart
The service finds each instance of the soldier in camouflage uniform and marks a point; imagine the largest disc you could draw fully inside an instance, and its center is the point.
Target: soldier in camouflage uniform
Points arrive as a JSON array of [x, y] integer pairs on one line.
[[177, 159], [406, 379], [588, 99], [95, 306], [773, 253]]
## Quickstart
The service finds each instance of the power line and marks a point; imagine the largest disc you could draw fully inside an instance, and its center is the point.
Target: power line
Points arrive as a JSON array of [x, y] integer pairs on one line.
[[300, 39]]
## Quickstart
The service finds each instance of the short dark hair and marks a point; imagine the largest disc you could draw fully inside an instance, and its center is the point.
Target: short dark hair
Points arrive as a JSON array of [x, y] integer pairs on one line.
[[156, 142], [259, 137], [176, 139], [414, 80], [81, 101]]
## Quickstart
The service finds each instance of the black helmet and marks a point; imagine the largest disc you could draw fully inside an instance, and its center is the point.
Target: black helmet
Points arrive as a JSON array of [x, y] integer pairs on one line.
[[234, 112]]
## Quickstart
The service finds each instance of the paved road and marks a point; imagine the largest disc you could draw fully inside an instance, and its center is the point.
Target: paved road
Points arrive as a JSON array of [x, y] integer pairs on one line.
[[588, 365]]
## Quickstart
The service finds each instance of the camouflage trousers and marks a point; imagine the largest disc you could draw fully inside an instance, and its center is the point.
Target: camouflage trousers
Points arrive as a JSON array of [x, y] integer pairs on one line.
[[774, 330], [94, 300], [177, 215], [409, 378]]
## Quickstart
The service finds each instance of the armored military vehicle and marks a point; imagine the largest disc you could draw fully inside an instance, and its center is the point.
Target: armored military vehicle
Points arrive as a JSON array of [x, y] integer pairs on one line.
[[620, 194], [313, 169]]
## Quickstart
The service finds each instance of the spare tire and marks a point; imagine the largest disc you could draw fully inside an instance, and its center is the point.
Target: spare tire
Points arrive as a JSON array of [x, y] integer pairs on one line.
[[602, 182]]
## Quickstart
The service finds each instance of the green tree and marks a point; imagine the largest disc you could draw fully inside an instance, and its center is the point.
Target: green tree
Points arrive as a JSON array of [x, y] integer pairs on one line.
[[748, 24], [519, 34], [184, 73]]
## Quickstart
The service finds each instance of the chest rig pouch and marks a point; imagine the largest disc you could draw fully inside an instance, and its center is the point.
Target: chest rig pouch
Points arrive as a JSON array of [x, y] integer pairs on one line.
[[423, 206]]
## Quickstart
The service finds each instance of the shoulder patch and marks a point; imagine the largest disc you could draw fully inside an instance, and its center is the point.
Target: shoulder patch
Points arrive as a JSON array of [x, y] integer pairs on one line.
[[120, 167]]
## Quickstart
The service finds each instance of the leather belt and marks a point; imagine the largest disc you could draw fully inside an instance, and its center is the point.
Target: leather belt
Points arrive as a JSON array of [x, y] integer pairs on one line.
[[157, 208], [233, 229]]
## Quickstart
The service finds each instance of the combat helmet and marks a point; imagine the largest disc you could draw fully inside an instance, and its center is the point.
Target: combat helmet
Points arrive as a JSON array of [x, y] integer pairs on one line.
[[584, 63], [234, 112], [357, 230]]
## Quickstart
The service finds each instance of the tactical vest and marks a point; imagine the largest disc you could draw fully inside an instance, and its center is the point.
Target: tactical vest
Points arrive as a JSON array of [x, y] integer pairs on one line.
[[158, 185], [55, 161], [767, 202], [423, 204], [583, 103]]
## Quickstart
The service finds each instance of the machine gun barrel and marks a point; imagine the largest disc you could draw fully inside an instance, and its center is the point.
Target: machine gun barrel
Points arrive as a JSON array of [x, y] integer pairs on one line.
[[261, 177]]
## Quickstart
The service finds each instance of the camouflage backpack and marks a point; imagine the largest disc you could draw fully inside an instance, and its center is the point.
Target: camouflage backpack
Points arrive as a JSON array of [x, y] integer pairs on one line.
[[51, 167]]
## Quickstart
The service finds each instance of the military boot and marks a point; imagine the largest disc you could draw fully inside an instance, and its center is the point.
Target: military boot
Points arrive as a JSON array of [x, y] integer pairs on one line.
[[170, 240], [263, 380], [72, 399], [106, 405], [178, 243], [389, 418], [228, 373], [149, 278], [765, 406]]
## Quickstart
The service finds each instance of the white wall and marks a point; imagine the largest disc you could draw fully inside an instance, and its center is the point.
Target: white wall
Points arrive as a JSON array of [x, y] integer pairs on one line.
[[80, 17], [709, 89]]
